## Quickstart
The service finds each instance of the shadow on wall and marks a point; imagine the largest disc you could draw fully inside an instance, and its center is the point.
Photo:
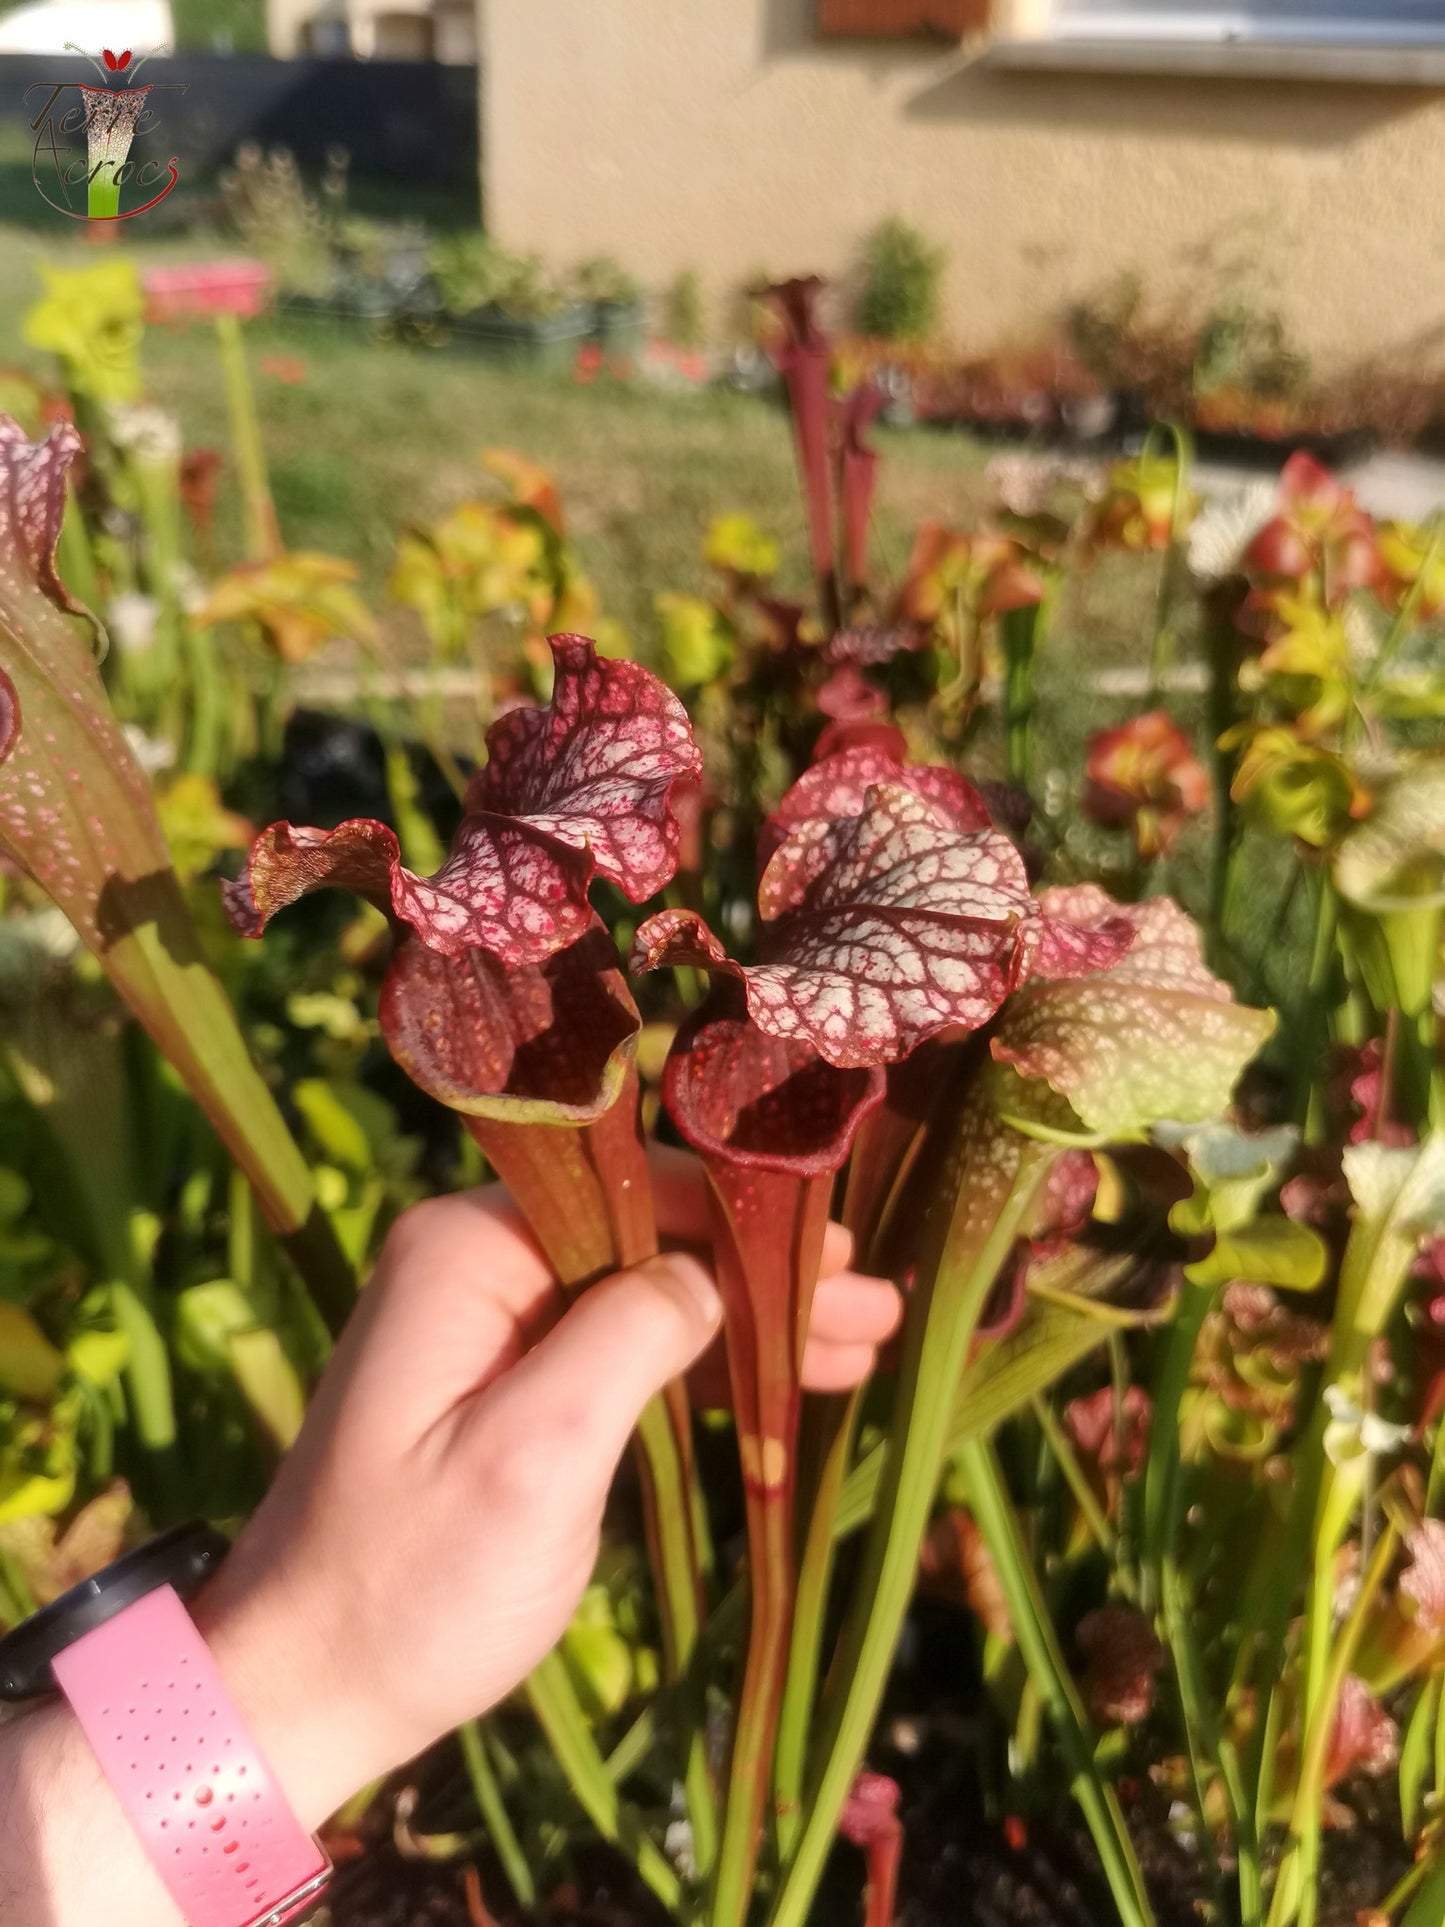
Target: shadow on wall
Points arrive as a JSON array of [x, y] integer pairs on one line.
[[1170, 107]]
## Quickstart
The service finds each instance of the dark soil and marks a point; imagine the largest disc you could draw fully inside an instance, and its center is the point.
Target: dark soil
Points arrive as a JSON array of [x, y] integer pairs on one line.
[[969, 1861]]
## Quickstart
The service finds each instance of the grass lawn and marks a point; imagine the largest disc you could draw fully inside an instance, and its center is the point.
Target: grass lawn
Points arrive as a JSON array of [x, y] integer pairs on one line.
[[377, 434]]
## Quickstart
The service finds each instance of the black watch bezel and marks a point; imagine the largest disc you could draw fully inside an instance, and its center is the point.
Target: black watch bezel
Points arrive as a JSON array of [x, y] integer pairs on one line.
[[185, 1557]]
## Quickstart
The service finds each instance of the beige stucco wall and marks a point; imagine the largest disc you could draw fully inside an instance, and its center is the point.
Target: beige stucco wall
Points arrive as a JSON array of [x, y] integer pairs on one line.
[[723, 135]]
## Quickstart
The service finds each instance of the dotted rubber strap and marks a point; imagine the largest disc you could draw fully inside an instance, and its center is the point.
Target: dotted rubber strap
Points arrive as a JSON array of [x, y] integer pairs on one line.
[[185, 1770]]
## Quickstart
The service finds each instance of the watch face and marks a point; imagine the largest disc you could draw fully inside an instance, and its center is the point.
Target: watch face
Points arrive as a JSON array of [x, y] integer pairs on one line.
[[185, 1557]]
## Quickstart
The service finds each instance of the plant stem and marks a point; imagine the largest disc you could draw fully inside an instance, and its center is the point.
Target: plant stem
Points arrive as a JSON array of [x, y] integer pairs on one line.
[[1161, 1468], [670, 1490], [495, 1819], [1327, 1663], [1038, 1643], [1314, 1015], [768, 1233], [943, 1311], [17, 1601], [559, 1714], [263, 533], [74, 556], [833, 1421], [1201, 1729], [1084, 1495], [1222, 713], [587, 1195], [156, 963], [1408, 609], [204, 739], [770, 1571], [1020, 631], [1162, 649]]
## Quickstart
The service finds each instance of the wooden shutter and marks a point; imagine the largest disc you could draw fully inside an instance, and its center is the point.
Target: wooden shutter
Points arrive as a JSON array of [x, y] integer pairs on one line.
[[895, 19]]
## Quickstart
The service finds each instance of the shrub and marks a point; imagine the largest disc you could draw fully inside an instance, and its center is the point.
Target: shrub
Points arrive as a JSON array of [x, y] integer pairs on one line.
[[902, 270], [686, 325], [606, 282], [267, 204], [470, 271]]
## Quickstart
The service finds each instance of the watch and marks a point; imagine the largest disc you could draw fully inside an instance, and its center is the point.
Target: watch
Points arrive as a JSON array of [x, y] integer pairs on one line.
[[124, 1651]]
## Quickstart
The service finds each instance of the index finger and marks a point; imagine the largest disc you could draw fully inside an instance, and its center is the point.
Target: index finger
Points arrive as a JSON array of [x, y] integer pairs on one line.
[[460, 1291]]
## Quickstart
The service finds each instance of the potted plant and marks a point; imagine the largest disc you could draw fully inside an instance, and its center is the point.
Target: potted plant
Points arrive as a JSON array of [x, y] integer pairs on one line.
[[615, 299], [507, 304]]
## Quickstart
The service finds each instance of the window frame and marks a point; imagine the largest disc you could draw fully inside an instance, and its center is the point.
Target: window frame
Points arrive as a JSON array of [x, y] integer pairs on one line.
[[1214, 25]]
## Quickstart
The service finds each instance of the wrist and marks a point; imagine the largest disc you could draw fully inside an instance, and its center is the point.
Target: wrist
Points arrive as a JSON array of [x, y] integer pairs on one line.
[[309, 1711]]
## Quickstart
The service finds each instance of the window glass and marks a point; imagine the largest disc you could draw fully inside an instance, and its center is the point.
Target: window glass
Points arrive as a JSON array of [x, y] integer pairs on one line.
[[1263, 19]]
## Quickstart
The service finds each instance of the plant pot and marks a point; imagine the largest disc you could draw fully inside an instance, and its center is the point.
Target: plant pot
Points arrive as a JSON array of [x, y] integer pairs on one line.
[[620, 327], [306, 304], [1090, 418], [369, 301], [551, 343]]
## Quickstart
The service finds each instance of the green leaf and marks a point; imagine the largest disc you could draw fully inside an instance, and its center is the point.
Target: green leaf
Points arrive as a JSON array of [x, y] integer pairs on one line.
[[30, 1366], [76, 815], [208, 1317], [1157, 1037], [38, 1463], [99, 1357], [93, 319], [735, 544], [270, 1385], [1005, 1374], [218, 1334], [349, 1122], [1271, 1251], [15, 1196], [697, 643], [597, 1655], [1417, 1755], [1413, 697], [1232, 1171], [1399, 1201]]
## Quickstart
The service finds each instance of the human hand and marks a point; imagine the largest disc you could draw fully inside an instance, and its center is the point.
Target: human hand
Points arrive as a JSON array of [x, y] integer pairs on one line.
[[428, 1538]]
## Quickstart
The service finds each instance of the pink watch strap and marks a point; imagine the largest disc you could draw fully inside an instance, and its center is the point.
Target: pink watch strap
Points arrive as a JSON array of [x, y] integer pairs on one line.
[[187, 1773]]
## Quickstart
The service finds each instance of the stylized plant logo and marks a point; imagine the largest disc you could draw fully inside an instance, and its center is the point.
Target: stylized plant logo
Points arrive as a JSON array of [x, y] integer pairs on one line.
[[111, 115]]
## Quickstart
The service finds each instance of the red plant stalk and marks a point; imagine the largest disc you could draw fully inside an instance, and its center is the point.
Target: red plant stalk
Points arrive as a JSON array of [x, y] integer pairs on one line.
[[503, 998], [802, 358], [773, 1123], [583, 1189], [857, 479], [891, 915], [768, 1243], [889, 1145], [870, 1822], [586, 1194], [539, 1063]]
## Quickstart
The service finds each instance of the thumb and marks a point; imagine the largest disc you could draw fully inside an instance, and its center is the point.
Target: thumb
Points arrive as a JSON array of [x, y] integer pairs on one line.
[[615, 1349]]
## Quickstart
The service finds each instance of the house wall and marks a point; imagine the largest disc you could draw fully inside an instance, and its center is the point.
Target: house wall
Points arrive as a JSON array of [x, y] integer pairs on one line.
[[727, 138]]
